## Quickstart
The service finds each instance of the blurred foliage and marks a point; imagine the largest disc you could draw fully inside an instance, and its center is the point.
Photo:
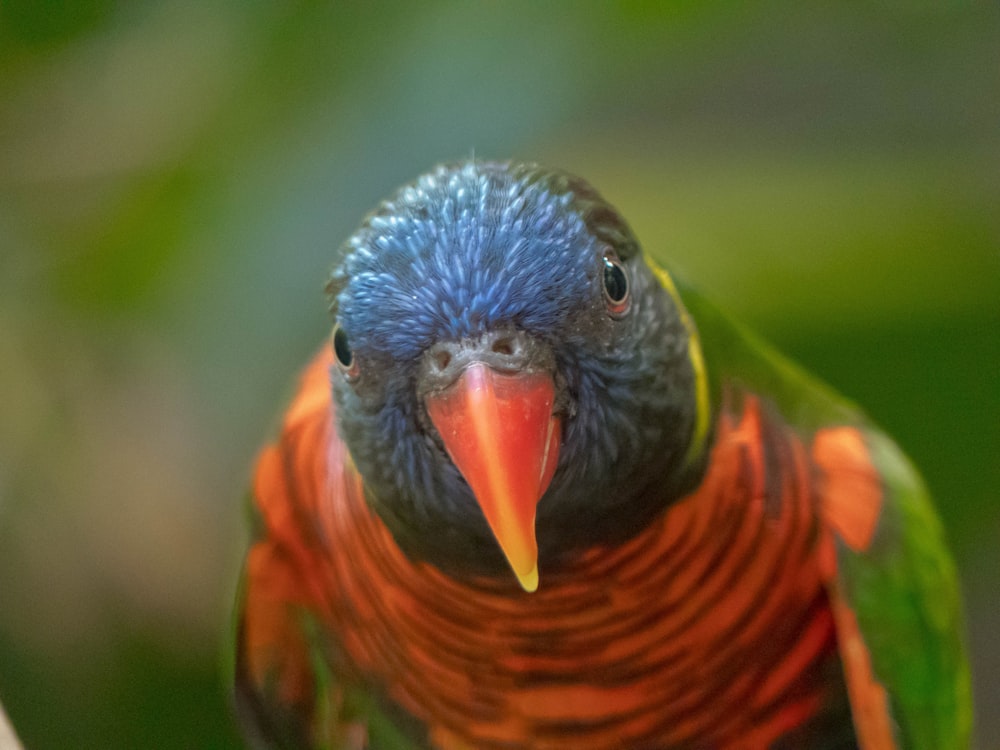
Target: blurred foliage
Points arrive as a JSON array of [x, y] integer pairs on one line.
[[175, 179]]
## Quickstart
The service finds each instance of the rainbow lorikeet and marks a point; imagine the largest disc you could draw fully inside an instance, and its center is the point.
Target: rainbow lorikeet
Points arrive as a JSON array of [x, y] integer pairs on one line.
[[534, 494]]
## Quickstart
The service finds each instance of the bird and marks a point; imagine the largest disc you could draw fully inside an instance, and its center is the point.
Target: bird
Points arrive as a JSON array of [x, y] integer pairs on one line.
[[537, 492]]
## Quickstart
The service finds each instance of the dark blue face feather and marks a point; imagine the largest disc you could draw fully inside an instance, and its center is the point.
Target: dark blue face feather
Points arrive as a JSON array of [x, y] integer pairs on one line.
[[461, 252], [475, 247]]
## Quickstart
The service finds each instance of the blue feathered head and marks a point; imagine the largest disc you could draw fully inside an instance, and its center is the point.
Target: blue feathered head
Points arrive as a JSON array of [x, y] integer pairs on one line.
[[537, 265]]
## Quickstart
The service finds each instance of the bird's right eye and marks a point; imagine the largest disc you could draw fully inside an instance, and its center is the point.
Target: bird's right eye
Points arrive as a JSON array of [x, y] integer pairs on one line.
[[344, 354], [616, 287]]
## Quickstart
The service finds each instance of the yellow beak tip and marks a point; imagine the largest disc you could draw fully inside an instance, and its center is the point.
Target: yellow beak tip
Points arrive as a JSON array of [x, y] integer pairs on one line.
[[529, 580]]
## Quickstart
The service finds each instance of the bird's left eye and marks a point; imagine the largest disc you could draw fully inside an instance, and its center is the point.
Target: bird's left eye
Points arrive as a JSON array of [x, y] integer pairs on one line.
[[616, 288], [342, 351]]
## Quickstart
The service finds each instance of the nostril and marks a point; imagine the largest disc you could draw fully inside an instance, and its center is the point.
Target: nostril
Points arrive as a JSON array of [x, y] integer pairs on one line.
[[503, 346], [442, 358]]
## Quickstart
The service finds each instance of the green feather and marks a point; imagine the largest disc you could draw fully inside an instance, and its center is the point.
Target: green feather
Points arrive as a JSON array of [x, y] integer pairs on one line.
[[904, 591], [904, 588]]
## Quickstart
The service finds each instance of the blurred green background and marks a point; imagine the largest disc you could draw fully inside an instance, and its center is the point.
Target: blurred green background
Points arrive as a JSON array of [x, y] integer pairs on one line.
[[175, 180]]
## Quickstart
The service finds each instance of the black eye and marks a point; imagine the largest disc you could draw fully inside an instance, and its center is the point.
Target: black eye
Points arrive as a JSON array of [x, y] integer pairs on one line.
[[615, 285], [342, 351]]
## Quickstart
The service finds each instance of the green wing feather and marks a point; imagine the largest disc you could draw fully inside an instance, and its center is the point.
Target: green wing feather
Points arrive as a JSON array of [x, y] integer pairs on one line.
[[903, 588], [904, 591]]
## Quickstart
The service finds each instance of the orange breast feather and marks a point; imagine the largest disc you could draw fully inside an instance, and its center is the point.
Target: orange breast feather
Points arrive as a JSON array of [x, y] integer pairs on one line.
[[711, 628]]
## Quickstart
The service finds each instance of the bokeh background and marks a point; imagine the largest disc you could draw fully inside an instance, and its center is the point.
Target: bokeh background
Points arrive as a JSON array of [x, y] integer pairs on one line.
[[176, 178]]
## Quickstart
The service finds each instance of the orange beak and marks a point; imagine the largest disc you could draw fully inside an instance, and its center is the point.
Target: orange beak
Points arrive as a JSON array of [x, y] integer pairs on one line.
[[501, 434]]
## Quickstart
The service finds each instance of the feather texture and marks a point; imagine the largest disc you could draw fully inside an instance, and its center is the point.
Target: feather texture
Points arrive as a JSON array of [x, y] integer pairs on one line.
[[713, 626], [731, 555]]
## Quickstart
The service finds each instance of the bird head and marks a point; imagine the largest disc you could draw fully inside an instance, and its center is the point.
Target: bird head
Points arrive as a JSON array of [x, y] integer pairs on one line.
[[513, 381]]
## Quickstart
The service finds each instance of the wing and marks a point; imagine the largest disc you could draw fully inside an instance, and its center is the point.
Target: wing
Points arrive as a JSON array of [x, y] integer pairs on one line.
[[895, 594], [288, 692], [892, 582]]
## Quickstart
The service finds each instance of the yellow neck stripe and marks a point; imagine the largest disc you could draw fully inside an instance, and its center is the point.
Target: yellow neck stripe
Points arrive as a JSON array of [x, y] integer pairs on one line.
[[702, 405]]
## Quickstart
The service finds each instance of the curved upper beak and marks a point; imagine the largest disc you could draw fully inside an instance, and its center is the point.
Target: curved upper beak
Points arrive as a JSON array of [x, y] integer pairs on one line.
[[500, 431]]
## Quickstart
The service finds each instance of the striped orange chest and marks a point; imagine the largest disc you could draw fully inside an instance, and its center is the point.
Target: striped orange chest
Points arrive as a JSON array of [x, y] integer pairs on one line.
[[710, 628]]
